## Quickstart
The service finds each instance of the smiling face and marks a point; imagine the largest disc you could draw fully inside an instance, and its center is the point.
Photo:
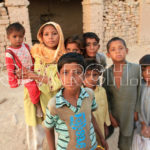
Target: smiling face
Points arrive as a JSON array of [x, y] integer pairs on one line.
[[50, 37], [73, 48], [16, 38], [71, 76], [117, 51], [92, 47]]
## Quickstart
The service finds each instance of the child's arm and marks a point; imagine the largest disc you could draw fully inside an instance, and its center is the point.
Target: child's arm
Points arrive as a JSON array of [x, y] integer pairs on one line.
[[99, 133], [50, 138], [49, 124], [114, 121], [28, 74]]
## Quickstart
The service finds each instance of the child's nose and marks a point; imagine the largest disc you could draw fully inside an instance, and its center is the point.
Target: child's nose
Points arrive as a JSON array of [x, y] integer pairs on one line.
[[18, 39], [91, 46], [118, 50]]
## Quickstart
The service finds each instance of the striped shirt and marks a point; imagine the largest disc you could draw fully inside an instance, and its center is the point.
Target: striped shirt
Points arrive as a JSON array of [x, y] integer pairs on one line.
[[60, 126]]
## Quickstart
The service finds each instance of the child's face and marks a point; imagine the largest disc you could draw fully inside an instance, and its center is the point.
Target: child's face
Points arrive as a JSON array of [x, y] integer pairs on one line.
[[146, 74], [117, 51], [91, 78], [16, 38], [92, 47], [73, 48], [50, 37], [71, 76]]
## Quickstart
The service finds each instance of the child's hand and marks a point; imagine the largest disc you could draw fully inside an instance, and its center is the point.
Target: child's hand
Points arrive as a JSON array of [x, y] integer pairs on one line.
[[114, 121], [135, 116], [106, 130], [104, 144], [18, 73], [21, 74], [27, 73], [145, 130], [39, 112]]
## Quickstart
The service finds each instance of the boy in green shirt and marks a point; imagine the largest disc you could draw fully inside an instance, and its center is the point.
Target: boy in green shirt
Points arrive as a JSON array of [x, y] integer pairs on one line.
[[122, 85]]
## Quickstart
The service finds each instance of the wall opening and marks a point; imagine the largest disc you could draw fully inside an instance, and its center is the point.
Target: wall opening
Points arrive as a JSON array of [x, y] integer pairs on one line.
[[68, 13]]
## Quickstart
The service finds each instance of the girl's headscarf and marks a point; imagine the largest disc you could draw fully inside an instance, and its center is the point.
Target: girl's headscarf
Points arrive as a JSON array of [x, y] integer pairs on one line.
[[46, 54]]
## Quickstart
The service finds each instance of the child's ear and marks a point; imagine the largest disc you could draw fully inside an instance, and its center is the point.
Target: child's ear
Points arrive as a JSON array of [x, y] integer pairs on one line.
[[127, 50], [99, 46], [108, 54]]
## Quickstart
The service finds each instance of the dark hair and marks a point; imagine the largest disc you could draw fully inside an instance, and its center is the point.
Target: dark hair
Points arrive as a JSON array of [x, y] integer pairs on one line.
[[90, 35], [145, 61], [92, 64], [15, 27], [75, 39], [70, 58], [115, 39]]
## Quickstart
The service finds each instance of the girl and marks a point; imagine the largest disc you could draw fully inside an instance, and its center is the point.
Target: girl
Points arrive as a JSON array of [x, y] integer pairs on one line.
[[46, 54], [18, 56], [141, 140]]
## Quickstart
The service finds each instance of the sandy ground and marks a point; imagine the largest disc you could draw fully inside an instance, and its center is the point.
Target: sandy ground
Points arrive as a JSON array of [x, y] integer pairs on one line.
[[12, 124]]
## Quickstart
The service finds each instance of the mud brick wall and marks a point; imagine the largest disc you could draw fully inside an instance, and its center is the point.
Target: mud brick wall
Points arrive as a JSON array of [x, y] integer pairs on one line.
[[121, 18]]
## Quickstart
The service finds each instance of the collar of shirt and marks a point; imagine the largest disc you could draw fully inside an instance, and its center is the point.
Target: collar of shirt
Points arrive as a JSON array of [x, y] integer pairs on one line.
[[112, 66], [60, 101]]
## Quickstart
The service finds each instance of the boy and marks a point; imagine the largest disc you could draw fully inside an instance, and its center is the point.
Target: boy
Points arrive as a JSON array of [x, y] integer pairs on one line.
[[141, 138], [74, 44], [121, 84], [18, 56], [70, 111], [91, 43], [92, 74]]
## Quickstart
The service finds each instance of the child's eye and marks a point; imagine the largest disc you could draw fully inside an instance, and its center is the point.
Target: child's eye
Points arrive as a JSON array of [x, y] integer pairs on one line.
[[54, 33], [87, 44], [95, 75], [65, 72], [95, 44], [112, 49], [77, 72], [46, 34]]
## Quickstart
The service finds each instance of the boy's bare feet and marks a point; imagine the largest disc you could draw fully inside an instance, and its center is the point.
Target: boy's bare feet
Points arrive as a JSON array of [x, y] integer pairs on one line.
[[39, 112]]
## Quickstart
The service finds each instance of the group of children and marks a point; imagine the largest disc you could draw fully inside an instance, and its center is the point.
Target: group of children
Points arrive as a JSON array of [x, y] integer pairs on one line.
[[63, 97]]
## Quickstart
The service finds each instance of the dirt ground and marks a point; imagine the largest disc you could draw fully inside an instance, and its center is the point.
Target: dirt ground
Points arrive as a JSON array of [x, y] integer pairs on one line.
[[12, 124]]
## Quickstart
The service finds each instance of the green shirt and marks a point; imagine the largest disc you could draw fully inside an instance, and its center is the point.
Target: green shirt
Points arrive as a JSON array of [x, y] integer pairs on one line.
[[60, 126], [123, 101]]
